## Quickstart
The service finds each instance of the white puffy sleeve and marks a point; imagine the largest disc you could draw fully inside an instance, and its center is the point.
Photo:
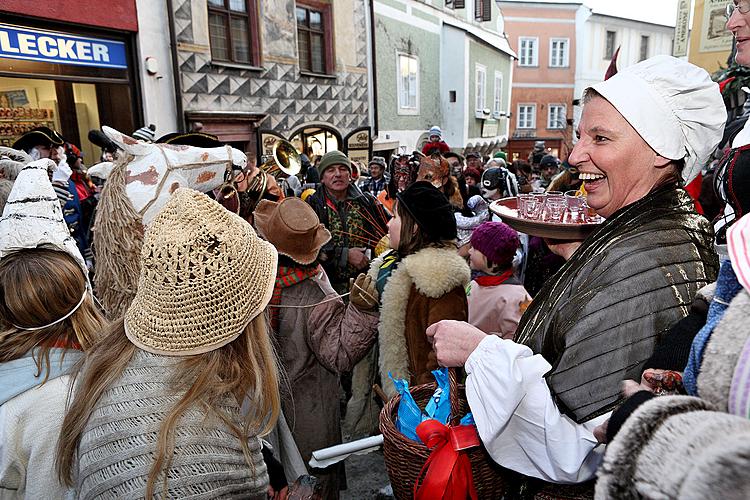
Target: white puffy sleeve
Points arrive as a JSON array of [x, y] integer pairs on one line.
[[518, 421]]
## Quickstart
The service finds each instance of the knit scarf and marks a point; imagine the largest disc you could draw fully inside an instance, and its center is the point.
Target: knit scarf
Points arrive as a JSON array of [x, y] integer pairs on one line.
[[287, 276], [493, 279], [727, 287]]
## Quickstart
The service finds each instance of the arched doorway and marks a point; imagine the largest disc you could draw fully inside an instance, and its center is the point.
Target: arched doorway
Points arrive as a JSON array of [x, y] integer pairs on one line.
[[316, 139]]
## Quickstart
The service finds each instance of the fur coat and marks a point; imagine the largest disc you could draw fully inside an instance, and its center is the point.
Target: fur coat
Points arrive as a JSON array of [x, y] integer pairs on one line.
[[426, 287], [686, 447]]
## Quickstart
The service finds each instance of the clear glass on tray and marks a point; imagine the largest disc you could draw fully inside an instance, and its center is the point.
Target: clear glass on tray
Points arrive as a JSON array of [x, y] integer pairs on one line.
[[557, 207]]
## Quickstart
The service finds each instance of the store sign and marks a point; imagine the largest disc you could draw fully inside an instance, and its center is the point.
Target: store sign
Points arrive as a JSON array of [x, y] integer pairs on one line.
[[714, 33], [682, 29], [60, 48]]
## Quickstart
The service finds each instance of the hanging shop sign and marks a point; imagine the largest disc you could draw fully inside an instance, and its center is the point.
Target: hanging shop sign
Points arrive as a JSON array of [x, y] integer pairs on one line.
[[17, 42], [682, 29], [359, 145]]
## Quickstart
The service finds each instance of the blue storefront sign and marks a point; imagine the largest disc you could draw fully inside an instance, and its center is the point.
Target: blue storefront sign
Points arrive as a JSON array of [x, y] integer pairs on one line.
[[60, 48]]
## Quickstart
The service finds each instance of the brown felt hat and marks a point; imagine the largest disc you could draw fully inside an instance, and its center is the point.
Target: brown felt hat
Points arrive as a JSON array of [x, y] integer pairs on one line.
[[293, 227]]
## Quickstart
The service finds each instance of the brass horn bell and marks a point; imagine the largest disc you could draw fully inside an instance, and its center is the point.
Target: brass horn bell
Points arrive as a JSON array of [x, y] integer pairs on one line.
[[284, 159]]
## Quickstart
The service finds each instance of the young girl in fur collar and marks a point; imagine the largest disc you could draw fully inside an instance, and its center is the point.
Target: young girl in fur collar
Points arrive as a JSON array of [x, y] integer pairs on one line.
[[421, 281]]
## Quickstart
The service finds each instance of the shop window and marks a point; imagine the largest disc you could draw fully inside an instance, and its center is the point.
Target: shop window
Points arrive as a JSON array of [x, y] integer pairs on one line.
[[316, 141], [315, 38], [233, 31], [408, 84], [26, 104]]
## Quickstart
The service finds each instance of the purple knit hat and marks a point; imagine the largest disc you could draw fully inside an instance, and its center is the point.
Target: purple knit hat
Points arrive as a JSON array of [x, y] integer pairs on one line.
[[497, 241]]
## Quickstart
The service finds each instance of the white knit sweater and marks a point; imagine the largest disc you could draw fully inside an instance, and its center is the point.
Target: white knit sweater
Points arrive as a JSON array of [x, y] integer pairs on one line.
[[118, 445]]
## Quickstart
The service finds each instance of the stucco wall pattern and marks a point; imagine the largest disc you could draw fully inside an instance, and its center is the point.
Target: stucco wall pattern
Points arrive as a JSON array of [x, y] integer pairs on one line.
[[289, 98]]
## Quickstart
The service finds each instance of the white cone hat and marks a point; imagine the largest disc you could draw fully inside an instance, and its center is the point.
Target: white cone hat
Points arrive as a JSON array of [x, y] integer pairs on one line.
[[32, 217]]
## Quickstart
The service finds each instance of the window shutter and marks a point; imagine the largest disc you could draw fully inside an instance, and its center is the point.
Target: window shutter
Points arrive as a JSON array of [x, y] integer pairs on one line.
[[478, 9], [459, 4], [486, 10]]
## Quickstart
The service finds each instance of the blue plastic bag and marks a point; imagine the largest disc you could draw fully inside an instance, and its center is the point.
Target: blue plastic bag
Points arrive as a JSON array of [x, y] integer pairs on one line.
[[409, 414], [439, 405]]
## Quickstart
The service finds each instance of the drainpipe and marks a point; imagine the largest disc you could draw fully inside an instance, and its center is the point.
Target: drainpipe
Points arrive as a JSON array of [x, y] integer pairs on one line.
[[374, 87], [181, 125]]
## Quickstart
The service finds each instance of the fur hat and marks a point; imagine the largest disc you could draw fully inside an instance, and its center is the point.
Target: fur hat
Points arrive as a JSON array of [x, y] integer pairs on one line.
[[332, 158], [205, 275], [293, 227], [431, 209], [496, 241]]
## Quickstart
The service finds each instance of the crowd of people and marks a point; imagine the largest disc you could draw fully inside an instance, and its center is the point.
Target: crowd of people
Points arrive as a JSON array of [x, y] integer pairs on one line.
[[263, 315]]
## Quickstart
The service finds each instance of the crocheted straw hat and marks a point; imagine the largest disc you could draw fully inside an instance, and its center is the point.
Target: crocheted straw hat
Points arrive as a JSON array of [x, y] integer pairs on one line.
[[205, 275], [293, 227]]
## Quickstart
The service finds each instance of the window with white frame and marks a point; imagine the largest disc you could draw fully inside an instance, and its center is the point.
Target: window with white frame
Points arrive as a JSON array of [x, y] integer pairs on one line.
[[480, 87], [408, 84], [558, 52], [528, 51], [497, 102], [556, 116], [526, 116]]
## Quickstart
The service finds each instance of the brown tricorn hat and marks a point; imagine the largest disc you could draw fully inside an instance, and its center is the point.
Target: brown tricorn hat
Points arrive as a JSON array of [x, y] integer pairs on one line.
[[293, 227]]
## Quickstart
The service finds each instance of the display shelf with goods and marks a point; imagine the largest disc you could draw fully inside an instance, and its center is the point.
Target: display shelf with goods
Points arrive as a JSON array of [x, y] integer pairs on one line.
[[14, 122]]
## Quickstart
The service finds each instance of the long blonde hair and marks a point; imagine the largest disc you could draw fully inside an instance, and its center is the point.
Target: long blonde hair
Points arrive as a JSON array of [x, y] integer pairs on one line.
[[246, 367], [37, 287]]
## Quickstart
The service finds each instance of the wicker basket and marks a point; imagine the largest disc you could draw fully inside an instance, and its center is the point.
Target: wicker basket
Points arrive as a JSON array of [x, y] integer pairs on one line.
[[405, 458]]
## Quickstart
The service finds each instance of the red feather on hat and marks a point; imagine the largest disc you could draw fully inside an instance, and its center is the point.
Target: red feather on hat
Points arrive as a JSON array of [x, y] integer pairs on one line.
[[612, 69]]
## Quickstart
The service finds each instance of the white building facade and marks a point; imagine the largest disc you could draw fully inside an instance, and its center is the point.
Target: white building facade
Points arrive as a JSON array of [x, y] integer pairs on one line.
[[600, 35]]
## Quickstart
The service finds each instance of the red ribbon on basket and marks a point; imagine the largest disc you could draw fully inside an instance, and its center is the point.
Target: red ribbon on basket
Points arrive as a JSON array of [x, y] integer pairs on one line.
[[447, 472]]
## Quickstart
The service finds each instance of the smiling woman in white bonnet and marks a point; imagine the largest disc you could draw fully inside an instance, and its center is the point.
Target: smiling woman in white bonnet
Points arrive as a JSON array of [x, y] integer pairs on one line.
[[536, 400]]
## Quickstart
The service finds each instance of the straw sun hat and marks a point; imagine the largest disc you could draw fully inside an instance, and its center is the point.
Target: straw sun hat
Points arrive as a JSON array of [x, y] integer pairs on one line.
[[293, 227], [205, 275]]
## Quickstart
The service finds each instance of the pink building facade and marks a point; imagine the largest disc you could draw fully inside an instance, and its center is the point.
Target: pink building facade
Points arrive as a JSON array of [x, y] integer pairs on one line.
[[544, 37]]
